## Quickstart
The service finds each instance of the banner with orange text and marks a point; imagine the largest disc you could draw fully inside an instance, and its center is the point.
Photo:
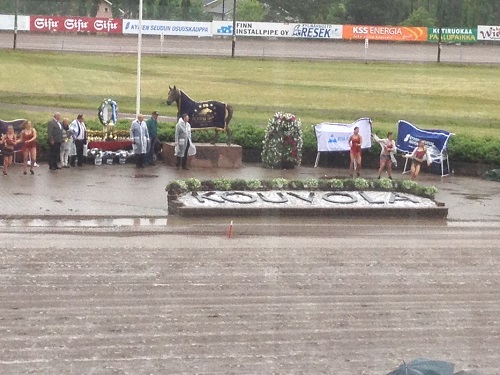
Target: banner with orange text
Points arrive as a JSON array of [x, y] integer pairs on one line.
[[390, 33]]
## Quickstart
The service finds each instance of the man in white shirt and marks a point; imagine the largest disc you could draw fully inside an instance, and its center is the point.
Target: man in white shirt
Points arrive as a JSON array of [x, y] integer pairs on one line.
[[79, 133]]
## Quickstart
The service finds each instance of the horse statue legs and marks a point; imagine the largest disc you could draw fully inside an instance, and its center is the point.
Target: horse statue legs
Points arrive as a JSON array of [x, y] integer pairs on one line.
[[229, 139]]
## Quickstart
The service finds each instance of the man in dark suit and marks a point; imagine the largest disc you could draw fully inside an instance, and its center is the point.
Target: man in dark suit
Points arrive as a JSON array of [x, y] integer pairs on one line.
[[55, 136]]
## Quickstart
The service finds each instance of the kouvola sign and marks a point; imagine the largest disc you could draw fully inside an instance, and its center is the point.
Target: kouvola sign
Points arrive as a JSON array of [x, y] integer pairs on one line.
[[303, 199]]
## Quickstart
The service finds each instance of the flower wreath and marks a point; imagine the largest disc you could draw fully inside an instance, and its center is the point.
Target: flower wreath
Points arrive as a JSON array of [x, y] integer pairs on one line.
[[103, 113]]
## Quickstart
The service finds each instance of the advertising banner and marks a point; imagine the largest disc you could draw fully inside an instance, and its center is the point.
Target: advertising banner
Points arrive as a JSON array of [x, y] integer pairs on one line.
[[76, 24], [7, 22], [178, 28], [390, 33], [449, 35], [335, 137], [409, 135], [488, 33], [278, 30]]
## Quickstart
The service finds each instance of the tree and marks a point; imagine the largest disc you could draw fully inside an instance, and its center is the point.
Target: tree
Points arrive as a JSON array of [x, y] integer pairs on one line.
[[420, 17], [250, 10]]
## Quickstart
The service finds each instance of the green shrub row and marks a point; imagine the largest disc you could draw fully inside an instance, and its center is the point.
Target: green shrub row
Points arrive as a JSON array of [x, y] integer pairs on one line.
[[250, 137], [223, 184]]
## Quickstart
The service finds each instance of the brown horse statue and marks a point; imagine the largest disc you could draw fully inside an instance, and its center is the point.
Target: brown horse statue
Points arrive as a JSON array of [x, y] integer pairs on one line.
[[209, 114]]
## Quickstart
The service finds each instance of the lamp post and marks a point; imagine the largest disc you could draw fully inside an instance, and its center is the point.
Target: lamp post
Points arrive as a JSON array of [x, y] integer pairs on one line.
[[139, 52], [234, 29], [15, 23]]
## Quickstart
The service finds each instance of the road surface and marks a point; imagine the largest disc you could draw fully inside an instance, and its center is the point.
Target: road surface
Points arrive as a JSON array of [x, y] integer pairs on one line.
[[337, 299], [258, 47]]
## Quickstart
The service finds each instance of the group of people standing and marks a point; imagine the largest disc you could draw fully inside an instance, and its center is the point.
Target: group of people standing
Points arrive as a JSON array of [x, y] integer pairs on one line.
[[144, 136], [27, 138], [66, 141], [387, 154]]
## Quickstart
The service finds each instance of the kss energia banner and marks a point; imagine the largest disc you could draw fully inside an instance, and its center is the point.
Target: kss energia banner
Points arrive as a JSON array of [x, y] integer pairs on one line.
[[392, 33], [409, 136], [335, 137]]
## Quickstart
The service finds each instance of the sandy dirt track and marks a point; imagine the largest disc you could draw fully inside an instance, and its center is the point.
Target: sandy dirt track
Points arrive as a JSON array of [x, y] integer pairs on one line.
[[261, 48], [181, 304]]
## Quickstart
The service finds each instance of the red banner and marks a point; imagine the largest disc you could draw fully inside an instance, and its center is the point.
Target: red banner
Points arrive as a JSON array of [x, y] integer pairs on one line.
[[76, 24]]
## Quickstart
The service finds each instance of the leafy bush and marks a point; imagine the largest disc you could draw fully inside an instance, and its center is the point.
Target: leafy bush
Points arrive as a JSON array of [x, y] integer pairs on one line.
[[279, 183], [177, 187], [254, 184], [296, 184], [238, 184], [383, 184], [361, 183], [222, 184], [311, 183], [193, 184]]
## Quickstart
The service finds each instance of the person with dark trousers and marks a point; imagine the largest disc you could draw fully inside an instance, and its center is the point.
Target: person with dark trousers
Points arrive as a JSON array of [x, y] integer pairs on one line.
[[79, 133], [152, 124], [140, 140], [183, 144], [54, 136]]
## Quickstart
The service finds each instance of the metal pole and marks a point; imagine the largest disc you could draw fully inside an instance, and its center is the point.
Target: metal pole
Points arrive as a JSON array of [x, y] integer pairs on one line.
[[441, 17], [234, 29], [15, 23], [223, 11], [139, 52]]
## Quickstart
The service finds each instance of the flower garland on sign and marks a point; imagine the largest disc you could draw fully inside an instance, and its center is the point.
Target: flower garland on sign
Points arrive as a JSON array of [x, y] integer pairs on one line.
[[282, 145]]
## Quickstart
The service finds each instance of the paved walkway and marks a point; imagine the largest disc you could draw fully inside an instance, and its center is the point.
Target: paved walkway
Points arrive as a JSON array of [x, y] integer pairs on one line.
[[111, 191]]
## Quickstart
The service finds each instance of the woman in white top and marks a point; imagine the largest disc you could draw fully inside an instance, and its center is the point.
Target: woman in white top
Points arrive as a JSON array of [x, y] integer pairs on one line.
[[386, 154]]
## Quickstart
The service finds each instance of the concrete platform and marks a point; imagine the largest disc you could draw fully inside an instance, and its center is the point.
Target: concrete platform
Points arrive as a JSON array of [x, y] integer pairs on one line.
[[219, 155]]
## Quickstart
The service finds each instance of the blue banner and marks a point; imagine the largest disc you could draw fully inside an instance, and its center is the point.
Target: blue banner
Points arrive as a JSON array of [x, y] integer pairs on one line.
[[409, 135]]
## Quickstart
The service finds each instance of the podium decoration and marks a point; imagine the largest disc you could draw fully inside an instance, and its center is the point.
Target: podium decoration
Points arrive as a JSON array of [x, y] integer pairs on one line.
[[108, 114]]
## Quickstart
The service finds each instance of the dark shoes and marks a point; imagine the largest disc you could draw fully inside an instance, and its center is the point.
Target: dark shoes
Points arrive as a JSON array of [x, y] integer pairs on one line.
[[185, 168]]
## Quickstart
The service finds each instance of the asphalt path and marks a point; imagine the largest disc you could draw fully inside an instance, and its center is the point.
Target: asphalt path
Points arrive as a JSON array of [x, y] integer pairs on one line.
[[258, 48], [358, 300]]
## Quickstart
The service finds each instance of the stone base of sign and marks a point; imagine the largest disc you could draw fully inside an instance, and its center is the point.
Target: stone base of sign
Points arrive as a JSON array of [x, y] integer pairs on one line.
[[219, 155], [407, 206]]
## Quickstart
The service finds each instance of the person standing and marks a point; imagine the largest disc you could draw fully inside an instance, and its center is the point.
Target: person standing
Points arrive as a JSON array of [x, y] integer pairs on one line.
[[183, 144], [355, 141], [28, 139], [9, 140], [418, 156], [65, 145], [54, 135], [79, 133], [152, 125], [140, 139], [386, 154]]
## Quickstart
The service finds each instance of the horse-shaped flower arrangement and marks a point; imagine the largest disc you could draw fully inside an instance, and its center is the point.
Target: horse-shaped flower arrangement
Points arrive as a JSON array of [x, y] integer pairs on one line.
[[208, 114]]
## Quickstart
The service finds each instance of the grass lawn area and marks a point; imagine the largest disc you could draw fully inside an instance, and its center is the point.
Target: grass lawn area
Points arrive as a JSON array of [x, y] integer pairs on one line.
[[461, 99]]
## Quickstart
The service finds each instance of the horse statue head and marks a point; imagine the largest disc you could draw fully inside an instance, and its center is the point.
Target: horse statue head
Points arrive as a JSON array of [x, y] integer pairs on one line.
[[174, 94]]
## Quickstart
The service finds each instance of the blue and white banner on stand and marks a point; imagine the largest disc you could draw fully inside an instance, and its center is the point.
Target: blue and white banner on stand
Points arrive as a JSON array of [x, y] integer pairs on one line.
[[409, 135], [335, 137], [435, 140]]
